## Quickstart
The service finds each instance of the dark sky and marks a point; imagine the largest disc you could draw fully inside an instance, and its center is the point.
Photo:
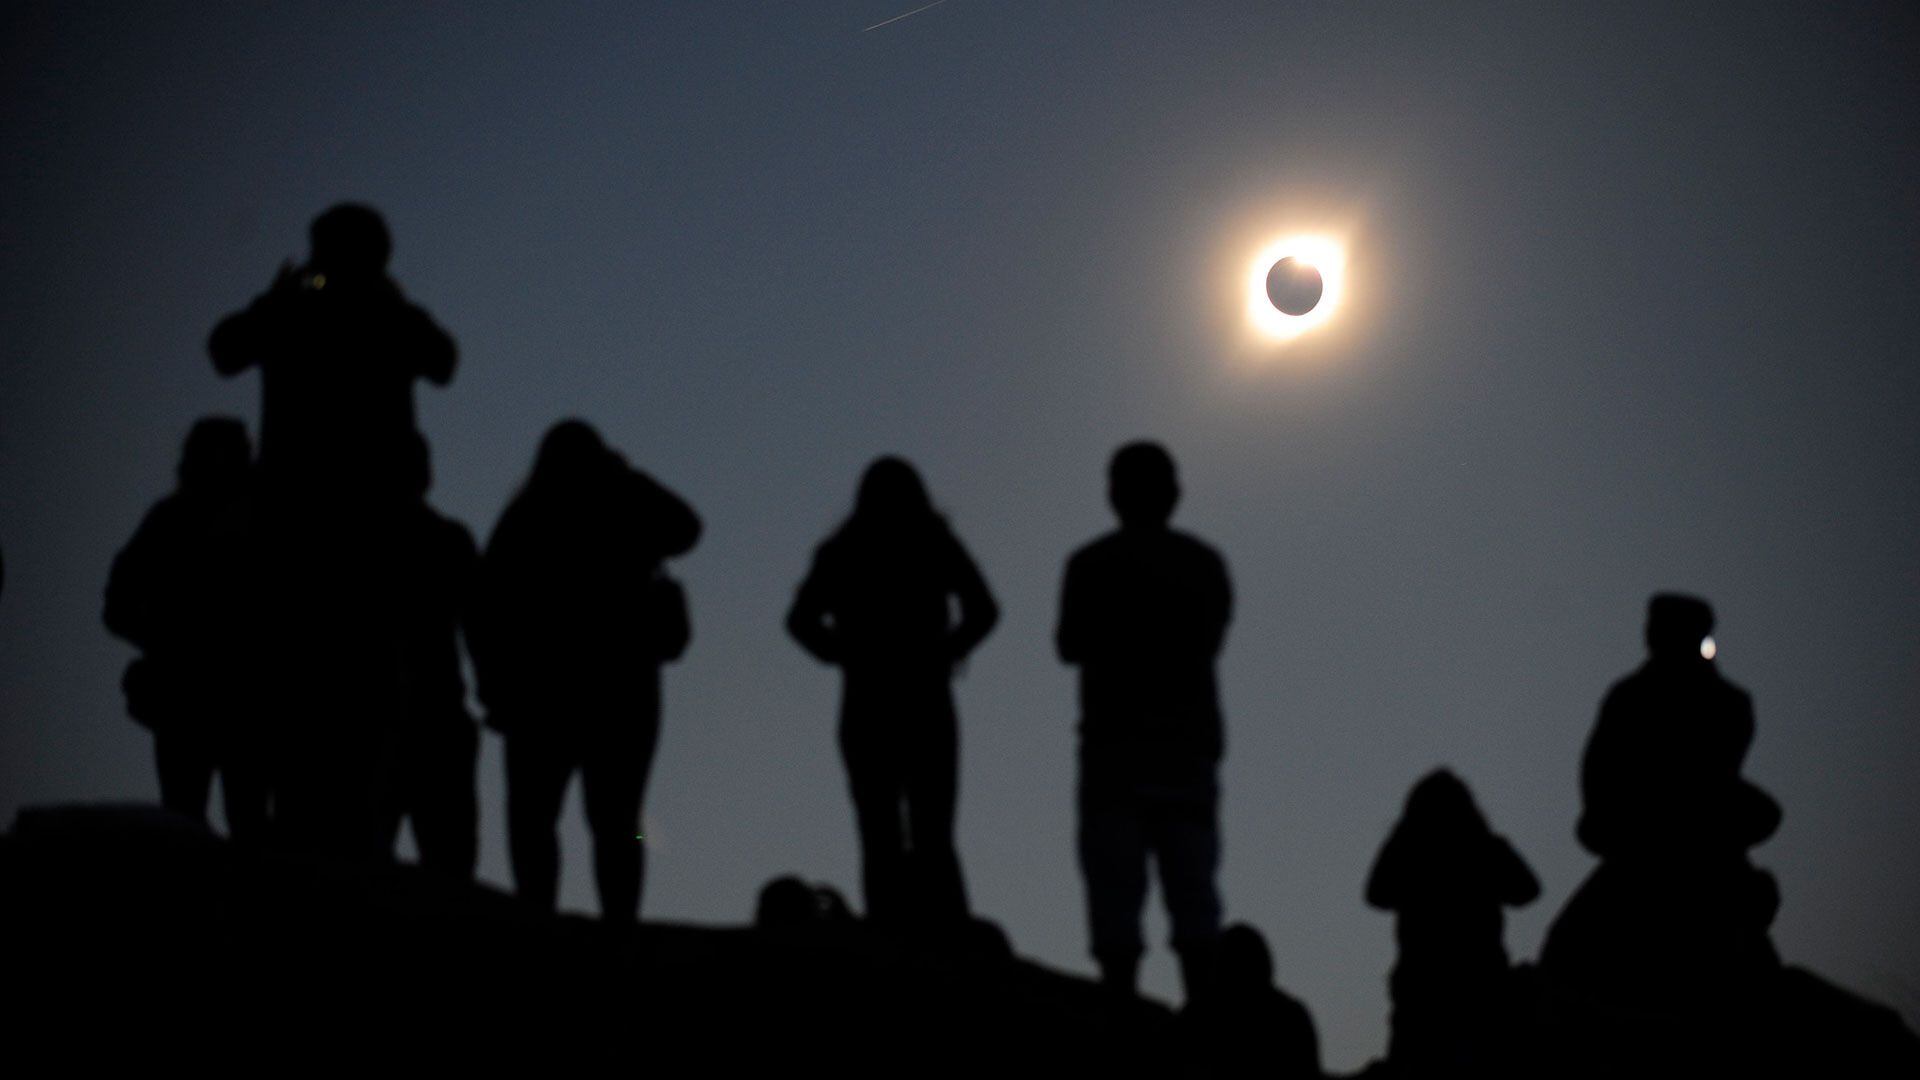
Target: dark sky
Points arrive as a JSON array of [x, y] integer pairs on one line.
[[1632, 306]]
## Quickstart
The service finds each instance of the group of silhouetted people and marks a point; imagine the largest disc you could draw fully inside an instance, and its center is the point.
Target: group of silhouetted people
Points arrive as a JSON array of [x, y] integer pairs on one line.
[[300, 612]]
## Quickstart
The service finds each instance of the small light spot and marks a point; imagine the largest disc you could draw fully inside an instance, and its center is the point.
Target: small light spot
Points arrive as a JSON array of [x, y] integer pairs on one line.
[[1708, 648]]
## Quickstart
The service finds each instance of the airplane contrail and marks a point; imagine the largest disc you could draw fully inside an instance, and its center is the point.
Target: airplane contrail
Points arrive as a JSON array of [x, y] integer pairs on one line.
[[897, 18]]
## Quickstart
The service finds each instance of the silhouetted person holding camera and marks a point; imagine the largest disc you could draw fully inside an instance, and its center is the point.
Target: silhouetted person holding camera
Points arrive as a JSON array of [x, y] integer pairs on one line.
[[184, 590], [1667, 811], [1143, 614], [880, 604], [572, 617], [339, 348], [1447, 877], [432, 781], [1245, 1025]]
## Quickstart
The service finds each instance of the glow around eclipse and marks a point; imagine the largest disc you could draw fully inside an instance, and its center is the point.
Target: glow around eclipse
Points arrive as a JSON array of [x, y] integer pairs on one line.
[[1319, 252]]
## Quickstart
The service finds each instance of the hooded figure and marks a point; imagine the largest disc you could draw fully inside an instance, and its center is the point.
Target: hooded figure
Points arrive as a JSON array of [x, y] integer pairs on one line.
[[571, 619], [1447, 877], [878, 603], [184, 591]]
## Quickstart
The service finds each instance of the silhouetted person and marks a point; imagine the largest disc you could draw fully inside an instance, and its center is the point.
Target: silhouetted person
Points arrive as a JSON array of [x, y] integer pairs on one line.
[[1447, 877], [183, 591], [572, 618], [879, 603], [789, 905], [1143, 613], [1244, 1025], [338, 347], [1667, 811], [1661, 774], [433, 784]]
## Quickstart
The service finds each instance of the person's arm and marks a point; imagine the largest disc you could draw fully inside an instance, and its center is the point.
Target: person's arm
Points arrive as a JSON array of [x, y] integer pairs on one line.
[[243, 338], [1599, 778], [1384, 886], [1219, 604], [672, 526], [1070, 635], [978, 612], [810, 621], [434, 354], [1518, 886], [128, 611]]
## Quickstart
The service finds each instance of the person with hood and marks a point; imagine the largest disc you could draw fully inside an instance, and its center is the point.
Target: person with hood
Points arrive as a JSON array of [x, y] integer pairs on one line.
[[1447, 878], [880, 603], [183, 591], [571, 619]]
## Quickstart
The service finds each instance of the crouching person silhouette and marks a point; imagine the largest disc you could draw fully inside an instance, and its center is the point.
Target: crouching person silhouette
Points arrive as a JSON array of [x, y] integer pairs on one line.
[[571, 619], [1143, 613], [1446, 876], [878, 603], [182, 591]]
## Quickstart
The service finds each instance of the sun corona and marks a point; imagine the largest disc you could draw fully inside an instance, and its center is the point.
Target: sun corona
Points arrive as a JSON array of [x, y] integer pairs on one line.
[[1323, 255]]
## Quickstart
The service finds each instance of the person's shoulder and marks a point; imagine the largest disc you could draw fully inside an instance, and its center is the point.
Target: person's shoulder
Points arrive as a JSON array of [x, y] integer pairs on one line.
[[1731, 690], [831, 553], [1632, 683], [1096, 550], [1195, 549], [171, 511]]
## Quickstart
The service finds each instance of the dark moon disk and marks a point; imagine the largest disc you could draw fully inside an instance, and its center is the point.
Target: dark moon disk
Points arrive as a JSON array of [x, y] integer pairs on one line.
[[1293, 286]]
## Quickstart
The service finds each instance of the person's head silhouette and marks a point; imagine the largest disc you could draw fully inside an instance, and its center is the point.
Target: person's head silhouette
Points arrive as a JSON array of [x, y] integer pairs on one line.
[[571, 453], [216, 456], [891, 494], [350, 240], [1440, 804], [1142, 486], [1677, 626], [1245, 962]]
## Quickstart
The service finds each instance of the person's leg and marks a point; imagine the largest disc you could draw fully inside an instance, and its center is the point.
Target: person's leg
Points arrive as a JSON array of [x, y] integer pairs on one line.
[[445, 806], [243, 790], [1185, 836], [614, 779], [939, 890], [873, 779], [1113, 858], [185, 764], [537, 773]]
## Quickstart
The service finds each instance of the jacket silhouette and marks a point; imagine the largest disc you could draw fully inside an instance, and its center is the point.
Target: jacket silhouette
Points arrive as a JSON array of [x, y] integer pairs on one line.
[[878, 603], [184, 591], [1143, 614], [1447, 877], [339, 348], [572, 617]]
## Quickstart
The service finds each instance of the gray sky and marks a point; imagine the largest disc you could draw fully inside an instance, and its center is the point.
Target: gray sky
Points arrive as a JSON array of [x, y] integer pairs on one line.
[[1631, 307]]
